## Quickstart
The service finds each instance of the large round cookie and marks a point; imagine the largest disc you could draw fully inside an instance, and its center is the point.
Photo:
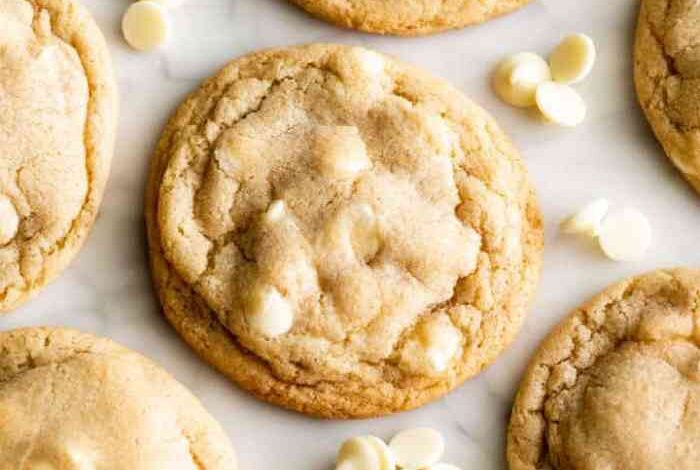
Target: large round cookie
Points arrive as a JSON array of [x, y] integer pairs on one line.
[[667, 77], [57, 123], [69, 400], [408, 17], [340, 233], [617, 384]]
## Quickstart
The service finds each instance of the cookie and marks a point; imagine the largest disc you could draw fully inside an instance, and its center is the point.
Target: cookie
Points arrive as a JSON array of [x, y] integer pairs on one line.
[[57, 123], [617, 384], [340, 233], [666, 67], [408, 18], [71, 400]]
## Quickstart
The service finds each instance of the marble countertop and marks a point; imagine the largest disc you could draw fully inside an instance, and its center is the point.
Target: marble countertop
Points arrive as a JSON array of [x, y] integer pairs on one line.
[[107, 290]]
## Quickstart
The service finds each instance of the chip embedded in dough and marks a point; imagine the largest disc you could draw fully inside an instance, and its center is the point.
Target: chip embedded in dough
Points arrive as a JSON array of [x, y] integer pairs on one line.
[[666, 71], [386, 218], [617, 383], [57, 120], [408, 18], [72, 400]]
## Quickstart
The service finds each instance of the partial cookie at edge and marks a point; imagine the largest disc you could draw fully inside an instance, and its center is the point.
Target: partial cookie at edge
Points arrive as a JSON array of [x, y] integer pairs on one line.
[[617, 383], [404, 19]]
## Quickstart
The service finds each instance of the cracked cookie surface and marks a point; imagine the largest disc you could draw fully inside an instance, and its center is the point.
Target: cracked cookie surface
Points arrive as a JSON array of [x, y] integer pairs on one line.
[[617, 384], [57, 123], [667, 78], [70, 400], [340, 233], [408, 18]]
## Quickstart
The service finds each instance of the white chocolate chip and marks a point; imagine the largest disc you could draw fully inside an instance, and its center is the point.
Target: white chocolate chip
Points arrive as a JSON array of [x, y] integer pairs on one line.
[[270, 313], [357, 453], [560, 104], [442, 341], [387, 461], [371, 63], [517, 77], [340, 152], [587, 221], [145, 25], [443, 466], [573, 59], [417, 448], [625, 236], [275, 211], [9, 221]]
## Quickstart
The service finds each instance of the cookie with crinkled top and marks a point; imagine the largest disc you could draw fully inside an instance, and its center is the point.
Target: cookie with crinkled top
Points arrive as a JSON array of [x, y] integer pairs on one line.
[[617, 384], [408, 18], [667, 77], [70, 400], [340, 233], [58, 114]]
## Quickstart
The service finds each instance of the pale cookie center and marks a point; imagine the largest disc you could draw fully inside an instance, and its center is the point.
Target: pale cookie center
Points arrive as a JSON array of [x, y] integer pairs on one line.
[[9, 221]]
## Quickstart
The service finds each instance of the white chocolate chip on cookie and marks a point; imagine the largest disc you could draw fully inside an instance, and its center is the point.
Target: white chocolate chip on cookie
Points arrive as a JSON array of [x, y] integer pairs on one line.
[[517, 77], [560, 104], [417, 448], [442, 341], [625, 236], [371, 63], [573, 59], [275, 211], [587, 221], [270, 313], [9, 220], [358, 453], [145, 25], [340, 151]]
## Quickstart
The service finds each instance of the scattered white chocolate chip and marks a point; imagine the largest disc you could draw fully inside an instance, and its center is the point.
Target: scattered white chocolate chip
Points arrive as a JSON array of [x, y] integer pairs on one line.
[[443, 466], [572, 60], [340, 151], [560, 104], [417, 448], [270, 313], [9, 220], [145, 25], [587, 221], [442, 341], [387, 461], [516, 78], [275, 211], [357, 453], [625, 235]]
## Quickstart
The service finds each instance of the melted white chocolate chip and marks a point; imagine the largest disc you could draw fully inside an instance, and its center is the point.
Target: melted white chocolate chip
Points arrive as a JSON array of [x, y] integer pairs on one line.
[[340, 152], [275, 211], [270, 314], [442, 342], [9, 221]]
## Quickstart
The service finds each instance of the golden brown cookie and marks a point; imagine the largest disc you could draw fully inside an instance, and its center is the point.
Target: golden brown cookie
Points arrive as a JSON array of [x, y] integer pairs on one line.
[[340, 233], [617, 384], [408, 18], [57, 122], [667, 77], [69, 400]]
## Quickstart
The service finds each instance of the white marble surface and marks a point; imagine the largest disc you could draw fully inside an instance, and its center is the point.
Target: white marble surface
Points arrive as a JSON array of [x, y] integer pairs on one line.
[[107, 290]]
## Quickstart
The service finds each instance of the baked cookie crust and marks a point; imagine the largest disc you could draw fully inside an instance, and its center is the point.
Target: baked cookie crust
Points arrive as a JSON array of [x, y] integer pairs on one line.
[[58, 118], [617, 383], [69, 400], [352, 351], [408, 18], [666, 71]]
